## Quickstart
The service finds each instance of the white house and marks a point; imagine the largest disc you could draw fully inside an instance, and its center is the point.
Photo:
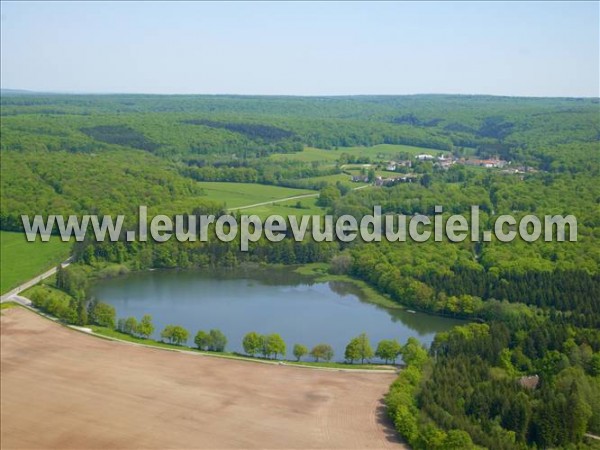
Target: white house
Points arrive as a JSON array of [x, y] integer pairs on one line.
[[424, 157]]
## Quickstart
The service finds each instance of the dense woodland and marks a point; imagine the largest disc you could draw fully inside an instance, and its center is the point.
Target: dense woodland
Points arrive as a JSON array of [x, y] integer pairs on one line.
[[534, 307]]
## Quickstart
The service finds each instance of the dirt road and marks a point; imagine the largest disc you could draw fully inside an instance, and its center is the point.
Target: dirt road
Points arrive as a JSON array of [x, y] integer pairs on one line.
[[64, 389]]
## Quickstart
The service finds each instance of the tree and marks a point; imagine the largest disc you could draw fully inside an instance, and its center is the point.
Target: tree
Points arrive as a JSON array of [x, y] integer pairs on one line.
[[82, 314], [359, 348], [299, 351], [60, 277], [180, 335], [274, 345], [71, 281], [217, 341], [388, 350], [175, 334], [457, 440], [371, 175], [263, 347], [145, 327], [167, 333], [130, 326], [341, 264], [406, 424], [252, 343], [433, 438], [594, 364], [104, 315], [352, 352], [322, 351], [413, 353], [202, 340], [328, 196], [579, 414]]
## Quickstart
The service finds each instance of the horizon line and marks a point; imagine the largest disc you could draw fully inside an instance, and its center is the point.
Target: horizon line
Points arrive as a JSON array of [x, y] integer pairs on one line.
[[58, 92]]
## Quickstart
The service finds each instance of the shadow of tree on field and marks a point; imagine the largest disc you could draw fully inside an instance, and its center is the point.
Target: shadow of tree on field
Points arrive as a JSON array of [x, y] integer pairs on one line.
[[388, 426]]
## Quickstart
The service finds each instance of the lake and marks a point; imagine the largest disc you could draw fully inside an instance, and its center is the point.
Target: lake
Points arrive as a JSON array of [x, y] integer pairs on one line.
[[266, 301]]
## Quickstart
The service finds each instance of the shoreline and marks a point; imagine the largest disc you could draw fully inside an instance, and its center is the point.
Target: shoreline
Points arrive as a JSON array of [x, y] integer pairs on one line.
[[152, 344]]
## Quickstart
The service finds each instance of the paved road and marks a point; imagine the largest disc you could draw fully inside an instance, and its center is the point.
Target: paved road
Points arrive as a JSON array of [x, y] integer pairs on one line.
[[14, 294], [274, 201], [297, 197]]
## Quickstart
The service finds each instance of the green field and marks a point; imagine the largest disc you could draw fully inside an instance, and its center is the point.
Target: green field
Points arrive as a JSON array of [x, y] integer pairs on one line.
[[333, 179], [22, 260], [243, 194], [286, 208], [381, 152]]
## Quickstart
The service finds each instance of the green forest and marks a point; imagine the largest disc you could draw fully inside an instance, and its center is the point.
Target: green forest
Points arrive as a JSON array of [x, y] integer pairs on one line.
[[523, 373]]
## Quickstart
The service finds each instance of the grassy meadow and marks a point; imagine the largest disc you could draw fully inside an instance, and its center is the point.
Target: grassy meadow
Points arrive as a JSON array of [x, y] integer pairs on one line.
[[381, 152], [287, 208], [22, 260], [234, 195], [343, 178]]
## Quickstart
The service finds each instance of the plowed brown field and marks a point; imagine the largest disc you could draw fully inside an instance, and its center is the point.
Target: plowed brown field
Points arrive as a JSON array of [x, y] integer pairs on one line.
[[64, 389]]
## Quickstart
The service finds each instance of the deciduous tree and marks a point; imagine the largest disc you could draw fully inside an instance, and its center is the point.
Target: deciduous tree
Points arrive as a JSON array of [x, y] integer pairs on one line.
[[145, 327], [322, 351], [299, 351], [388, 350], [252, 343]]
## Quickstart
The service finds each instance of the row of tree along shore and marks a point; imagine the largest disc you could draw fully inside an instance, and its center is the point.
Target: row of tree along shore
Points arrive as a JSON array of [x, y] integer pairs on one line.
[[268, 346], [271, 346]]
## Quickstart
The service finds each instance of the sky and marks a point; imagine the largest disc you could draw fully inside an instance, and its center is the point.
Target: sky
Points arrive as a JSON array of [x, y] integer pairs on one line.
[[303, 48]]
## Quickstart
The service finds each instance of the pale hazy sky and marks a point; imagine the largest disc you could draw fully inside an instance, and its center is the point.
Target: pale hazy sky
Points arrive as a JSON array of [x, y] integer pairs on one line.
[[529, 49]]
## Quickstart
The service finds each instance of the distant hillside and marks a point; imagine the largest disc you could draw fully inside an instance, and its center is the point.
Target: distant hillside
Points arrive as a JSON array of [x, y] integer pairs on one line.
[[4, 92]]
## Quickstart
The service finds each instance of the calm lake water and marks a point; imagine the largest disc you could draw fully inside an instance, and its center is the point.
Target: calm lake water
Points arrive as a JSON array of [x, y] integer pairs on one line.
[[266, 301]]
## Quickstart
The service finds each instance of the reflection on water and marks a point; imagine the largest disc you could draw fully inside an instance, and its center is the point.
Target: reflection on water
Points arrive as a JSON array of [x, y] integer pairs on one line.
[[266, 300]]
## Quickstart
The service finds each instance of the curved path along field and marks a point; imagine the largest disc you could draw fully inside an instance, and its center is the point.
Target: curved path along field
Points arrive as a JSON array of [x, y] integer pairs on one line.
[[65, 389], [296, 197], [13, 295]]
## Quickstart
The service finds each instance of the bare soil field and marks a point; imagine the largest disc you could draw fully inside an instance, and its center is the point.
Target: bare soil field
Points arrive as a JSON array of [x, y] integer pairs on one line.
[[64, 389]]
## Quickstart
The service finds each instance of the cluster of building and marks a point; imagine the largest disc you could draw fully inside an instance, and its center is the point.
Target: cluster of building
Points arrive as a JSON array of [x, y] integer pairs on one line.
[[444, 161], [487, 163], [392, 166], [390, 181], [519, 170], [386, 181], [448, 160]]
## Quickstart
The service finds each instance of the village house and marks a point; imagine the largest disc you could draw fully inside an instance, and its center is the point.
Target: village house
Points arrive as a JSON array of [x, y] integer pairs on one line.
[[487, 163], [380, 181], [424, 157], [394, 165], [445, 161], [529, 382]]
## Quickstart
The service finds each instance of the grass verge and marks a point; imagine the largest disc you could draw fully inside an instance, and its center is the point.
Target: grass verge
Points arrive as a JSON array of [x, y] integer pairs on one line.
[[113, 334], [8, 305]]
